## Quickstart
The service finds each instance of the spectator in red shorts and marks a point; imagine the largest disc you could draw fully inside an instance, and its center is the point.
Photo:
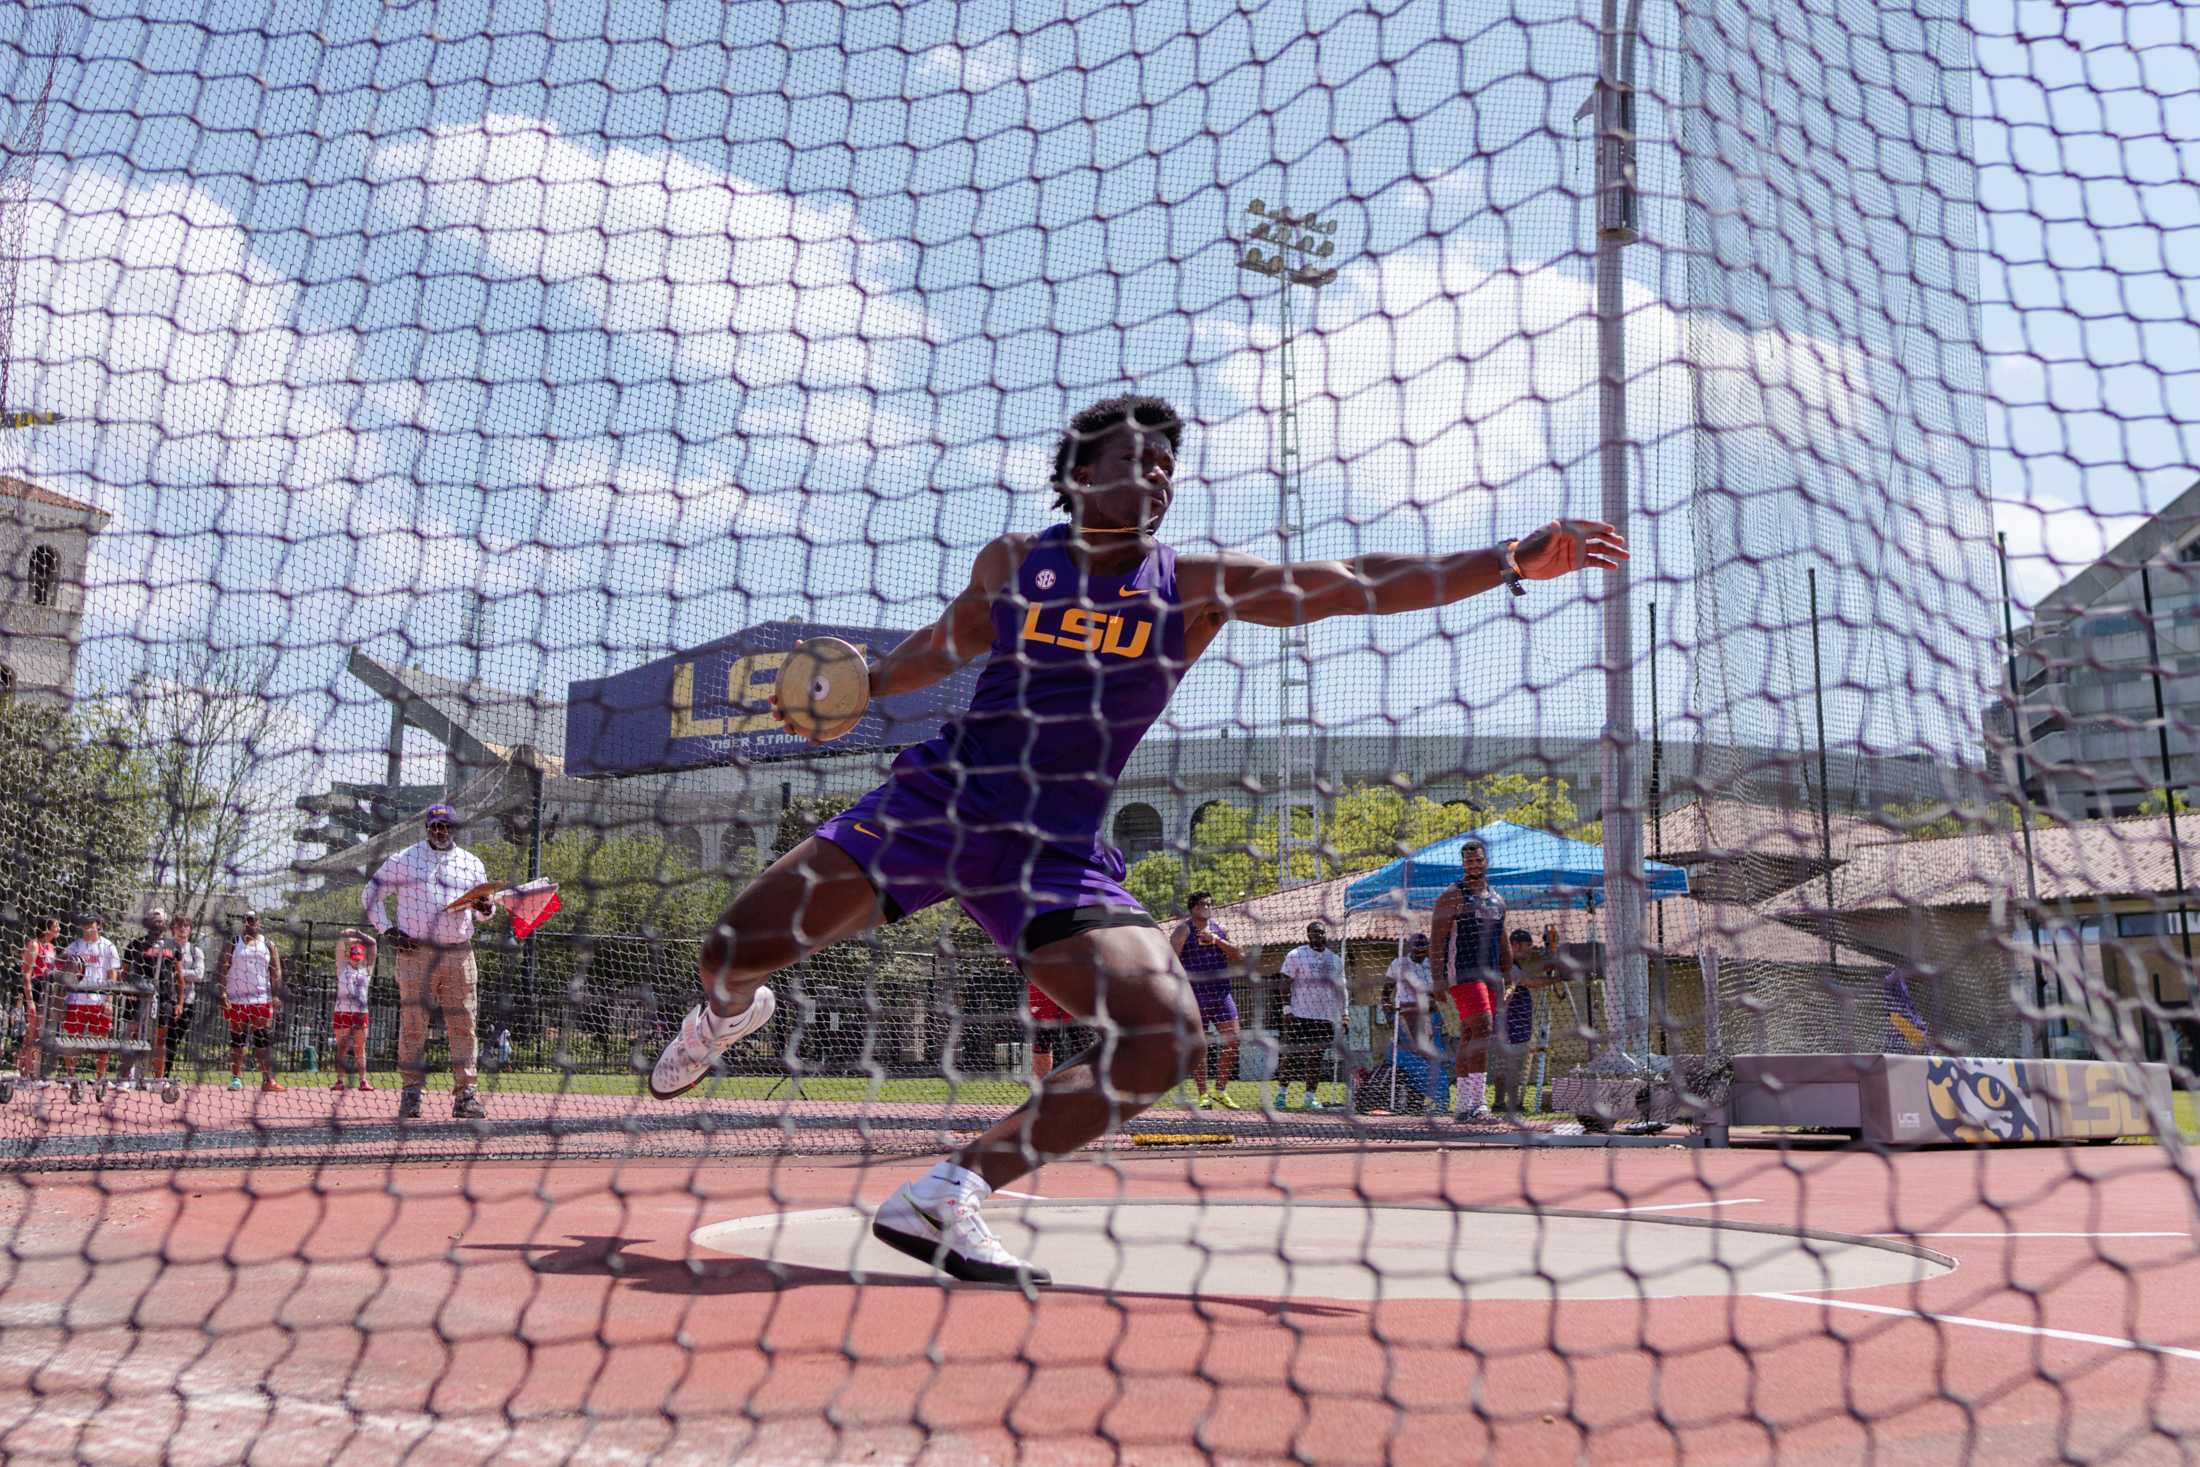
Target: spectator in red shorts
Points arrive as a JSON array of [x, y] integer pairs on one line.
[[90, 959], [251, 979], [36, 965], [354, 975], [1056, 1035], [1471, 961]]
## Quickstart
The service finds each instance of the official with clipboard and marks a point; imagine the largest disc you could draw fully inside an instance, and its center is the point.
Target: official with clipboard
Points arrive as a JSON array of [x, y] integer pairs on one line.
[[440, 889]]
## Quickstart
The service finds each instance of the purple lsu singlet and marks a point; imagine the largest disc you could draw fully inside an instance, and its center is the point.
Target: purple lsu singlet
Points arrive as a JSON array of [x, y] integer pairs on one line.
[[1204, 961], [1082, 666]]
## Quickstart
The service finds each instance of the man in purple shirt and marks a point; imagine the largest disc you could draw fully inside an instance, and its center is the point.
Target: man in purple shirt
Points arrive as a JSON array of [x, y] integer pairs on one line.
[[1209, 959], [1090, 625]]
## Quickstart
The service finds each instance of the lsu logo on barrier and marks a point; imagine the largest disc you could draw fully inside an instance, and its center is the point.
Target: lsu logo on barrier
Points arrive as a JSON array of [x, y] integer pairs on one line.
[[1082, 629], [1981, 1100]]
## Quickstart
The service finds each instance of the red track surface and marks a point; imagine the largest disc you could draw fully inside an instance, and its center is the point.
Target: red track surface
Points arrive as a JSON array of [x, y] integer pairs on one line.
[[512, 1311]]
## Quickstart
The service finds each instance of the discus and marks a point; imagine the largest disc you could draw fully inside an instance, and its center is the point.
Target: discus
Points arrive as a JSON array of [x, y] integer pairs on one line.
[[824, 688]]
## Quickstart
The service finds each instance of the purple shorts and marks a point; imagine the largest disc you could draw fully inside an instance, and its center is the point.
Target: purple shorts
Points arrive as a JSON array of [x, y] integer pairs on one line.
[[918, 851], [1216, 1006]]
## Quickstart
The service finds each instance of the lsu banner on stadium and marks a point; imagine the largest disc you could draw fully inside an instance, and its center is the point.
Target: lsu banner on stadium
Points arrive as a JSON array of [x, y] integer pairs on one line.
[[709, 706]]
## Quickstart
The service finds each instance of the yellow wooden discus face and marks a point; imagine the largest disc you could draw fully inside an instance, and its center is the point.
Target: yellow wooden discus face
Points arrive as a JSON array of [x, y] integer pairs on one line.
[[824, 688]]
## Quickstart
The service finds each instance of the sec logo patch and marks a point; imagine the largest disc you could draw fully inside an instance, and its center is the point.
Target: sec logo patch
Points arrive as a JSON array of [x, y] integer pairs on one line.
[[1044, 580]]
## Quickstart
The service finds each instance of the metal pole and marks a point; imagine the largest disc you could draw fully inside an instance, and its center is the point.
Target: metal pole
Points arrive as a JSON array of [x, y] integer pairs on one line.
[[1656, 816], [1288, 506], [2024, 792], [2169, 780], [1614, 104], [1825, 802], [534, 869]]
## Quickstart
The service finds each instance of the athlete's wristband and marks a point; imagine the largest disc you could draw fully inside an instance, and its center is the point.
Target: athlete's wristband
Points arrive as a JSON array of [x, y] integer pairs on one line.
[[1514, 581]]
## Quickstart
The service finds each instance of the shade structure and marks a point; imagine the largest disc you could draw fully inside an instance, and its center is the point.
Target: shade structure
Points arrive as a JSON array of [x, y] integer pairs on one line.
[[1533, 870]]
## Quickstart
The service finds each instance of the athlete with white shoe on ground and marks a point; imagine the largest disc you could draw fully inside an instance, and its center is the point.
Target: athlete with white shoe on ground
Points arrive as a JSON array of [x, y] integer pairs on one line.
[[1090, 626]]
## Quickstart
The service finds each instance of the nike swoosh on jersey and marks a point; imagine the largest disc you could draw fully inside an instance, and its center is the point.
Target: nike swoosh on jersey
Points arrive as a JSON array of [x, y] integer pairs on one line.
[[867, 830], [1134, 591]]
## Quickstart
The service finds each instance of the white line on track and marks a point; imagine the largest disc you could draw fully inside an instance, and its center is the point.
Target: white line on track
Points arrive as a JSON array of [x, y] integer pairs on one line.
[[1026, 1196], [2113, 1342], [2031, 1235], [1681, 1206]]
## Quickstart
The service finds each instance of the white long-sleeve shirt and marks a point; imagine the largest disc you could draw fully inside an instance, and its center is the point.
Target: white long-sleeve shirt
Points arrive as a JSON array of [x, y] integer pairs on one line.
[[425, 881], [1317, 982]]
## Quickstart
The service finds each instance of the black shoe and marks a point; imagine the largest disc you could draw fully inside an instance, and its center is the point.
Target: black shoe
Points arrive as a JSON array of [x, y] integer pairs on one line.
[[408, 1105], [467, 1106]]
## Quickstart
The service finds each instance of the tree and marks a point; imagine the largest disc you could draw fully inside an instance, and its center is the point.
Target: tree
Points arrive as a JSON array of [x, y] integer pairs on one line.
[[1234, 854], [1927, 819], [2152, 804], [78, 812], [209, 729], [616, 885]]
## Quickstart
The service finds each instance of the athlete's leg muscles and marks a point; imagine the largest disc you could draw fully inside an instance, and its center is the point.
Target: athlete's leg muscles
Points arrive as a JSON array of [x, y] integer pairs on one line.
[[810, 898], [1126, 980]]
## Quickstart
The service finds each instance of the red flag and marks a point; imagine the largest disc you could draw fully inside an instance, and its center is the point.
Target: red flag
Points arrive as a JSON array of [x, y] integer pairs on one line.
[[530, 905]]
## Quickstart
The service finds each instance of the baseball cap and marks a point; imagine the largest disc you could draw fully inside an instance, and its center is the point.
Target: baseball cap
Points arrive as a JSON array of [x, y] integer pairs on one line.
[[1420, 939], [437, 812], [249, 914], [158, 914]]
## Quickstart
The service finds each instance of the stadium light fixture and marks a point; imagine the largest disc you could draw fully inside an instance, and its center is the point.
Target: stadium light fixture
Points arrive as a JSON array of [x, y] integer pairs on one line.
[[1291, 249]]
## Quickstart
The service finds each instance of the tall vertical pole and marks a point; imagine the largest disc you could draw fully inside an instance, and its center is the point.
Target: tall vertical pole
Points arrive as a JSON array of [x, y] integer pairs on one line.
[[1654, 812], [2169, 783], [2018, 734], [1296, 245], [534, 865], [1825, 795], [1294, 689], [1615, 182]]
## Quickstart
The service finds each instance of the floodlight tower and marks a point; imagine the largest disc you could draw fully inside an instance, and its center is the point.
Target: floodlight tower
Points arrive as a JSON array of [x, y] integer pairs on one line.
[[1291, 249]]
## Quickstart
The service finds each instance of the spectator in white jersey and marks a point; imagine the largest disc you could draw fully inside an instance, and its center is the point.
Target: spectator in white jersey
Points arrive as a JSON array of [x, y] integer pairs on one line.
[[355, 953], [251, 980], [88, 1016], [435, 955], [1412, 992], [1313, 1018]]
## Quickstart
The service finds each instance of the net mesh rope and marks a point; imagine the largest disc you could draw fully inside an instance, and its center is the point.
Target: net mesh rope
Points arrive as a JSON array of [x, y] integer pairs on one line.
[[372, 378]]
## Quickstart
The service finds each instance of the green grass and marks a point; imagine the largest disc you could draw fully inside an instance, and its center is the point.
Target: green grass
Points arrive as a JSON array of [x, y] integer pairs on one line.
[[850, 1089], [859, 1090]]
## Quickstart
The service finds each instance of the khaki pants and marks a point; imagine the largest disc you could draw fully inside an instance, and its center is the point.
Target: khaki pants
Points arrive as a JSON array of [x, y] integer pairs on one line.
[[447, 976]]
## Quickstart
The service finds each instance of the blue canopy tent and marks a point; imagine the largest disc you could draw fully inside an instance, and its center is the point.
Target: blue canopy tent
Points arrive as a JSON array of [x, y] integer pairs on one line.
[[1533, 870]]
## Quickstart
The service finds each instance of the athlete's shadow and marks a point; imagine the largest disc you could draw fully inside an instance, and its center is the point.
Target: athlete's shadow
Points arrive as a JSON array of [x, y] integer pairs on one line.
[[588, 1256]]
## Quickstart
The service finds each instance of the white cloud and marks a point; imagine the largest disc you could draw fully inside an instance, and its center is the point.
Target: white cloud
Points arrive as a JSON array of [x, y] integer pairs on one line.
[[738, 279], [986, 65]]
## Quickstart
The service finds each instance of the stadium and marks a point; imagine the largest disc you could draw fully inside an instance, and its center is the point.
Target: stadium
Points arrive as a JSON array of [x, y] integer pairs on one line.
[[1043, 734]]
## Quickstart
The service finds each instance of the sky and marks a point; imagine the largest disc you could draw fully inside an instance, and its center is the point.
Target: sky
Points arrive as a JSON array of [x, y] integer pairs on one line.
[[646, 324]]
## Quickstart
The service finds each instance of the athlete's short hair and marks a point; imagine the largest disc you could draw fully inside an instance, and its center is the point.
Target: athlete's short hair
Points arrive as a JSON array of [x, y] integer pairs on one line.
[[1196, 898], [1090, 428]]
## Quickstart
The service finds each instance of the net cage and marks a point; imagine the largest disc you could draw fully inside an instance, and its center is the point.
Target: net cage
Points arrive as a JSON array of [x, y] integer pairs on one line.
[[389, 393]]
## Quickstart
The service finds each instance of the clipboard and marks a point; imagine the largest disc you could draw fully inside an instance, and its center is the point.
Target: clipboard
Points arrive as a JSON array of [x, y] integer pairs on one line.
[[481, 892]]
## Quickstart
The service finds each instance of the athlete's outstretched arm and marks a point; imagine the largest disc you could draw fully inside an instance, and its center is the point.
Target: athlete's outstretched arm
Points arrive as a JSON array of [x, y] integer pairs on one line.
[[1246, 588], [963, 632]]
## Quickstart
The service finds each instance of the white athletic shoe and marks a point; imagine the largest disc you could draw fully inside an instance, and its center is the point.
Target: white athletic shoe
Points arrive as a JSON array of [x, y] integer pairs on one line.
[[950, 1233], [702, 1038]]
